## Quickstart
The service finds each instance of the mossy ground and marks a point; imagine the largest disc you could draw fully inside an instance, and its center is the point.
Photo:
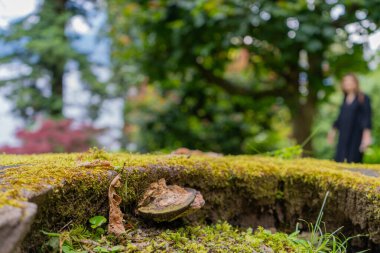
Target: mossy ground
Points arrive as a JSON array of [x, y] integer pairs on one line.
[[220, 237]]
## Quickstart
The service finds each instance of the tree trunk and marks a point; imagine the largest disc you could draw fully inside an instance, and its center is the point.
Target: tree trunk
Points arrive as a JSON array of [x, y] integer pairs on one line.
[[303, 114], [302, 120], [56, 106], [57, 70]]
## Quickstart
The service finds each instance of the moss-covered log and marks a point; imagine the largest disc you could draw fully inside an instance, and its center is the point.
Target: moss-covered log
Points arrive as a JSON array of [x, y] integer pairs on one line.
[[243, 190]]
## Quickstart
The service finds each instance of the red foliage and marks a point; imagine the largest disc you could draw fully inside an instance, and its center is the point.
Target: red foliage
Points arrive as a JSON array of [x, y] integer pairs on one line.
[[54, 136]]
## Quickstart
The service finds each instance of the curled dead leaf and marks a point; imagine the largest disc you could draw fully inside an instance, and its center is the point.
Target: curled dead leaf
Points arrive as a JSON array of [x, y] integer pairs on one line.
[[115, 225]]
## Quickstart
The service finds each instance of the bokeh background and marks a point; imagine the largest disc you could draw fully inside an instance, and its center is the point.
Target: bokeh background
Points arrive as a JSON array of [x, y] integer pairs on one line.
[[231, 77]]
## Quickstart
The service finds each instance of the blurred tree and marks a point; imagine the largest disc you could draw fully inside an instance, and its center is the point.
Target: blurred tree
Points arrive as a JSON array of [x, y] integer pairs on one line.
[[41, 45], [288, 52], [201, 118]]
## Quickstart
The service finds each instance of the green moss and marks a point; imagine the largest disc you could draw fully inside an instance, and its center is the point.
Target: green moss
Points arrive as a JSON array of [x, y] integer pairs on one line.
[[232, 186], [258, 175], [221, 237], [255, 174], [37, 170]]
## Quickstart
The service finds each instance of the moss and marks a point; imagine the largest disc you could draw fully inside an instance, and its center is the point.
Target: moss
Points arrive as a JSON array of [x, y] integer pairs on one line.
[[36, 171], [221, 237], [258, 174], [245, 190]]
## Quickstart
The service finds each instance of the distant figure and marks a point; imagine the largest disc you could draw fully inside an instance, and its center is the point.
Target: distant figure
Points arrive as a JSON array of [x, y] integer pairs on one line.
[[354, 123]]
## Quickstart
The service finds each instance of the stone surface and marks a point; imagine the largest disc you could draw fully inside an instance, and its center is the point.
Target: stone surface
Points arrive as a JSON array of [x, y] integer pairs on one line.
[[15, 223], [189, 152], [366, 172], [3, 168]]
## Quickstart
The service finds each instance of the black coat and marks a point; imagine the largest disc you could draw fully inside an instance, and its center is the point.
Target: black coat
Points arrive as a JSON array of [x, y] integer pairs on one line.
[[352, 120]]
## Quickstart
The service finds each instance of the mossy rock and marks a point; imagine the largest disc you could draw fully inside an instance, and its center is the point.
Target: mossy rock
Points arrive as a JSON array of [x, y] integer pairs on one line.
[[243, 190]]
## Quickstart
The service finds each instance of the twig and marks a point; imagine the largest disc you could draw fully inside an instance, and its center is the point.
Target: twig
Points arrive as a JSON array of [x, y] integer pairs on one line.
[[65, 226], [90, 242], [88, 249]]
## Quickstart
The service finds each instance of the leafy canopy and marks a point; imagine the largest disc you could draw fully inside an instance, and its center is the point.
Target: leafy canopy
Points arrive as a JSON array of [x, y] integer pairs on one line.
[[228, 60]]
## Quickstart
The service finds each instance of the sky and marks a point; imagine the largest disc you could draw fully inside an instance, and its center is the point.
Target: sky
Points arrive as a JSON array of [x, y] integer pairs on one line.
[[75, 95], [10, 9]]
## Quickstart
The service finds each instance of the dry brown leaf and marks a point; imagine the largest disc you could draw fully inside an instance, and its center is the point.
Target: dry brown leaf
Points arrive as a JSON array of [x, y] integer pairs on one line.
[[189, 152], [115, 225], [95, 163]]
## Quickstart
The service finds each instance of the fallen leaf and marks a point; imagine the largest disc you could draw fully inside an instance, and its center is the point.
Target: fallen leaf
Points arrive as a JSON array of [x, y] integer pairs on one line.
[[95, 163], [115, 225], [189, 152]]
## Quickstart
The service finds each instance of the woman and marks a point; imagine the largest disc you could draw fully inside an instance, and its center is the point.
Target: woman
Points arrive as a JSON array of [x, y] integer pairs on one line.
[[353, 123]]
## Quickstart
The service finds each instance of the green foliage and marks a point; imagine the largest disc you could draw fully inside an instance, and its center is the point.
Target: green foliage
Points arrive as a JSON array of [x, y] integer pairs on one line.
[[177, 120], [372, 155], [233, 67], [292, 152], [71, 241], [220, 237], [319, 240], [67, 241], [96, 223]]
